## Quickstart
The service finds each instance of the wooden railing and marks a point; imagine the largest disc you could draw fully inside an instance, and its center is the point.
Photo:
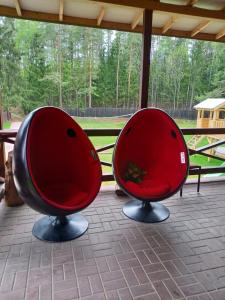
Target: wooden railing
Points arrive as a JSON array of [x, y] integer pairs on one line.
[[8, 136], [185, 131]]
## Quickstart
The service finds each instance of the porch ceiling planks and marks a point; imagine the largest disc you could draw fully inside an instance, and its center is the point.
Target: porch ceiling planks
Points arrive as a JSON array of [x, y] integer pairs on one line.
[[170, 8], [127, 15]]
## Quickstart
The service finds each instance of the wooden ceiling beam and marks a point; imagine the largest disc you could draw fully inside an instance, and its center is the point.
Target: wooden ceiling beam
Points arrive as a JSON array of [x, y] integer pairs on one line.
[[169, 24], [100, 16], [137, 19], [54, 18], [18, 8], [61, 9], [200, 27], [191, 2], [220, 34], [170, 8], [202, 36]]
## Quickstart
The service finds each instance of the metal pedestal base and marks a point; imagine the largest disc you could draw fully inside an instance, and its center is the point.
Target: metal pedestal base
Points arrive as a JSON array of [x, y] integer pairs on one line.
[[60, 228], [146, 212]]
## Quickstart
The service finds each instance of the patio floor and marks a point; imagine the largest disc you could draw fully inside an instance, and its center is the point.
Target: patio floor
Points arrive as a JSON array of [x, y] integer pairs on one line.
[[181, 258]]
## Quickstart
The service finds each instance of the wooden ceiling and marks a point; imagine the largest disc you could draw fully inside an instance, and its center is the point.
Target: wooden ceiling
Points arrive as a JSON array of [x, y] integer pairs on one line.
[[198, 19]]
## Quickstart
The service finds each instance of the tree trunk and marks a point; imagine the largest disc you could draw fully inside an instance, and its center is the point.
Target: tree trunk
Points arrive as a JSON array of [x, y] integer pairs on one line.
[[129, 74], [59, 52], [192, 96], [90, 77], [117, 77]]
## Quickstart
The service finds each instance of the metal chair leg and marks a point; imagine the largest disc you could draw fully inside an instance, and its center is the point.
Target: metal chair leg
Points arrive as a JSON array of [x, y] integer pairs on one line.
[[199, 180], [181, 192]]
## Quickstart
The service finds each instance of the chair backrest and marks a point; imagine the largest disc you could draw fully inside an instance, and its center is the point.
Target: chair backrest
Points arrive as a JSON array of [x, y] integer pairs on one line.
[[153, 143], [60, 164]]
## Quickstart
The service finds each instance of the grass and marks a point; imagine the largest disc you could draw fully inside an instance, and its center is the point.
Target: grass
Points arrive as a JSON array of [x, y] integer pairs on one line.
[[120, 122], [6, 125]]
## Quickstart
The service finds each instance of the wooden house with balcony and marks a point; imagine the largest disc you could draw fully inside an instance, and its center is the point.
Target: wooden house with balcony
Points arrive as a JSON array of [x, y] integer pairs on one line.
[[210, 114]]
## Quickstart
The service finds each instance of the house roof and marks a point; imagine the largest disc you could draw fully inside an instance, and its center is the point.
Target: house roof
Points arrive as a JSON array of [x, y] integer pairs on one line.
[[198, 19], [211, 103]]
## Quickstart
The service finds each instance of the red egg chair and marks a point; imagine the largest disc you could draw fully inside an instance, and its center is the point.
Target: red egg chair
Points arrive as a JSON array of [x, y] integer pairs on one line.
[[150, 163], [57, 172]]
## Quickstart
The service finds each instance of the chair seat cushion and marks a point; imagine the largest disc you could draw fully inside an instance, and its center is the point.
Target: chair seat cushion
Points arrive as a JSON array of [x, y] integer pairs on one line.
[[149, 188], [65, 195]]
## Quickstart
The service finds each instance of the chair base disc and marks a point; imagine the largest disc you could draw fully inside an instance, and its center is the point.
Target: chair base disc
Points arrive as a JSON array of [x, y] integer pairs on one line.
[[56, 229], [152, 213]]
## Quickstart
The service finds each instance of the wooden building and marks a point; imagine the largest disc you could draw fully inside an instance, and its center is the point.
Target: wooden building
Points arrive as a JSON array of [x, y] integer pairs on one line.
[[211, 113]]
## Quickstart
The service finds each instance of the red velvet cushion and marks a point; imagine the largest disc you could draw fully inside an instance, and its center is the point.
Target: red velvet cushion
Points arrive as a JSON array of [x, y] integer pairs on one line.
[[149, 188], [62, 162]]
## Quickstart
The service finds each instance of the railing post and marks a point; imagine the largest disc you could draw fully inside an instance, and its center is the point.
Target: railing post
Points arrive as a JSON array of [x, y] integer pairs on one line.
[[146, 53]]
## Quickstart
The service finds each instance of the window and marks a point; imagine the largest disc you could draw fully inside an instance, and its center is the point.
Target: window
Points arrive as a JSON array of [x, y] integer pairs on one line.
[[222, 114], [206, 114]]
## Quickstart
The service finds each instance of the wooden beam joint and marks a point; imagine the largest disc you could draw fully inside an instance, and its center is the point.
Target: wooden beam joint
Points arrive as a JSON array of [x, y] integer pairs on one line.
[[169, 24], [220, 34], [61, 9], [200, 27], [100, 16], [136, 20], [191, 2], [18, 8]]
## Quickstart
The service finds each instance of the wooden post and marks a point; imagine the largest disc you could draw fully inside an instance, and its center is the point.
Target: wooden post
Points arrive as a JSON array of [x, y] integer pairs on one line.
[[146, 53], [2, 148]]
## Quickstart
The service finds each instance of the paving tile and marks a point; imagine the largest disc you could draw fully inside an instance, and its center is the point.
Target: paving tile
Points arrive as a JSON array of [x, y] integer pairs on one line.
[[162, 290], [174, 290], [192, 289], [112, 295], [64, 285], [160, 275], [142, 290], [99, 296], [84, 286], [125, 294], [180, 259], [96, 284], [130, 277], [69, 294], [141, 275], [114, 284]]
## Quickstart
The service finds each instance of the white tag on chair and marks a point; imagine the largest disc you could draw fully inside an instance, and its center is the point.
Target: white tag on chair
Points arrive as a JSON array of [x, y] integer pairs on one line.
[[182, 157]]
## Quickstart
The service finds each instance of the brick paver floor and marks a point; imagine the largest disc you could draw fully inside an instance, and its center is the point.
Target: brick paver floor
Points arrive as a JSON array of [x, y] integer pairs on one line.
[[181, 258]]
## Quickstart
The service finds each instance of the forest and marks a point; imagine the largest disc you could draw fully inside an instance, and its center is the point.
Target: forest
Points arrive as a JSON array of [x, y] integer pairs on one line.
[[78, 67]]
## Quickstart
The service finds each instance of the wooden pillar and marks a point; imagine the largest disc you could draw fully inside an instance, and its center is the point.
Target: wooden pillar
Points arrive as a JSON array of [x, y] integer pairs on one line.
[[2, 148], [146, 52]]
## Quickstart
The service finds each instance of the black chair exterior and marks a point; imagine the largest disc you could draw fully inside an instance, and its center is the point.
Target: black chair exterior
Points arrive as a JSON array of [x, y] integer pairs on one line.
[[46, 178]]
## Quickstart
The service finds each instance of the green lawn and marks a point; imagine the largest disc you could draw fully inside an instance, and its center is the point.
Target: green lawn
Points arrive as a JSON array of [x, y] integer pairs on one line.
[[119, 123], [6, 125], [105, 140]]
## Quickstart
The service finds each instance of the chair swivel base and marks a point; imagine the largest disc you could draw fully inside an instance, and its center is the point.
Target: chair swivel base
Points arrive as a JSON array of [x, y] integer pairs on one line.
[[60, 228], [146, 212]]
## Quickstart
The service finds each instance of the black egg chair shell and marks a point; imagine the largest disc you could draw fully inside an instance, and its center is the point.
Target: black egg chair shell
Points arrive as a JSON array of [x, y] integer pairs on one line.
[[152, 141], [57, 172]]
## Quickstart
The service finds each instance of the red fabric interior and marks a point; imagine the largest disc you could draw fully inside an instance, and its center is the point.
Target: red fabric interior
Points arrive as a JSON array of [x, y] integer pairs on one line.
[[151, 140], [63, 168]]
